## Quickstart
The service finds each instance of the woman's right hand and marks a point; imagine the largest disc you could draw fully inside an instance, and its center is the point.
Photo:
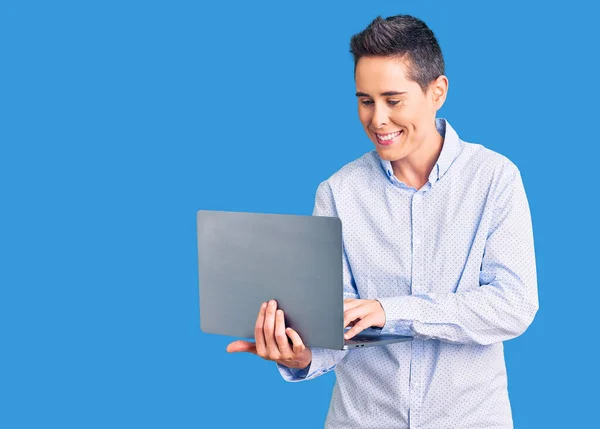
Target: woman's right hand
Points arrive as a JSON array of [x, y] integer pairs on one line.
[[271, 340]]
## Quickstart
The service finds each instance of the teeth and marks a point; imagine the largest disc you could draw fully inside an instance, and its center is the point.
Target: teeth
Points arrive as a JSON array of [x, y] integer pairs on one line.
[[388, 136]]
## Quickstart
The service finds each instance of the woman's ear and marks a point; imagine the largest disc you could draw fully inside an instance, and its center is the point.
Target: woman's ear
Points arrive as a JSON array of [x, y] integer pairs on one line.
[[439, 90]]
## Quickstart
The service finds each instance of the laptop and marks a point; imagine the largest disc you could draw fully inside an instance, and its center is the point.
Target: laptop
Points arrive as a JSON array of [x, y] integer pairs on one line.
[[245, 259]]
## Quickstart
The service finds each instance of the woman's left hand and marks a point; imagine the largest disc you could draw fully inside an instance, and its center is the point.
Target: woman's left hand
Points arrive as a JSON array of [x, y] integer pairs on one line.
[[362, 314]]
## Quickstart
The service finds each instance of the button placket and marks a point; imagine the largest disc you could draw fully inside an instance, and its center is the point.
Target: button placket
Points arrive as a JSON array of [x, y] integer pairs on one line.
[[416, 349], [416, 241]]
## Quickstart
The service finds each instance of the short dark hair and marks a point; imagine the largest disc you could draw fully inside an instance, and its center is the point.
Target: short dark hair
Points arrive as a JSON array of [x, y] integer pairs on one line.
[[404, 37]]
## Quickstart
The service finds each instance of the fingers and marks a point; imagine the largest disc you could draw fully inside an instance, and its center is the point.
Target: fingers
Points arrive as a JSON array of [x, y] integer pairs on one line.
[[351, 303], [241, 346], [357, 312], [359, 327], [360, 314], [259, 336], [280, 336], [269, 331], [272, 339], [297, 343]]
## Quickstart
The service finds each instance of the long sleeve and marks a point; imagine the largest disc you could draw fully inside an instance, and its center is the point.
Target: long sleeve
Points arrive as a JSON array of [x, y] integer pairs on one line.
[[323, 360], [453, 265], [505, 301]]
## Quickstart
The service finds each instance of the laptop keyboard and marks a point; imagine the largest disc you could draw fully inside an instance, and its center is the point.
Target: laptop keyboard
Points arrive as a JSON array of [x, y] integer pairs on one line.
[[361, 340]]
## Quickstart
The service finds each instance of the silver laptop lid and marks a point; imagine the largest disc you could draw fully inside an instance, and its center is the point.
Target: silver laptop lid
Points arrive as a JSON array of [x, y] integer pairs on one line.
[[245, 259]]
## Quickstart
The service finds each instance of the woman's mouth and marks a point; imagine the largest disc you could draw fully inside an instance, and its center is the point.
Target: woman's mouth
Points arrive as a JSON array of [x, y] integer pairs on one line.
[[388, 138]]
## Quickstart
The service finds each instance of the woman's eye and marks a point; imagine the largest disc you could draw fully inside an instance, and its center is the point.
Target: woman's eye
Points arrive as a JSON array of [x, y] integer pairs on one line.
[[390, 102]]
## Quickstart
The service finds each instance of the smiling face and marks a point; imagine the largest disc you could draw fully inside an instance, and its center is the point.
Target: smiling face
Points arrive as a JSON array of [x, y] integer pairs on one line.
[[397, 115]]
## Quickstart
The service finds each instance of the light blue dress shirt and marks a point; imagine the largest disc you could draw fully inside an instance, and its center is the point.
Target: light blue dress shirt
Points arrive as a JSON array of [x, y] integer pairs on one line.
[[453, 265]]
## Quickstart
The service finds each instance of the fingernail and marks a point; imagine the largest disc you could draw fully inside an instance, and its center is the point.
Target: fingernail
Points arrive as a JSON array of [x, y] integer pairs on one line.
[[279, 312]]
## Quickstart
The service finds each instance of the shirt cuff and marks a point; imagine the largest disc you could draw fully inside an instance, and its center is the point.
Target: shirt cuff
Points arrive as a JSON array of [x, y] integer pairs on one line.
[[293, 374], [311, 371]]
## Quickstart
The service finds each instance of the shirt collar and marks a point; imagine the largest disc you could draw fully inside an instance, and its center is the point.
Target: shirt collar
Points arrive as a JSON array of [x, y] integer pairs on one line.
[[450, 149]]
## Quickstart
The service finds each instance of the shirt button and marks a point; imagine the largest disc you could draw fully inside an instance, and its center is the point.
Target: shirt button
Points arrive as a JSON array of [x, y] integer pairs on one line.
[[417, 241]]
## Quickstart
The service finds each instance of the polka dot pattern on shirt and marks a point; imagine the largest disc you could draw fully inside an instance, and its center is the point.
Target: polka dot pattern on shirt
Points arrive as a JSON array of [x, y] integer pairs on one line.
[[453, 265]]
